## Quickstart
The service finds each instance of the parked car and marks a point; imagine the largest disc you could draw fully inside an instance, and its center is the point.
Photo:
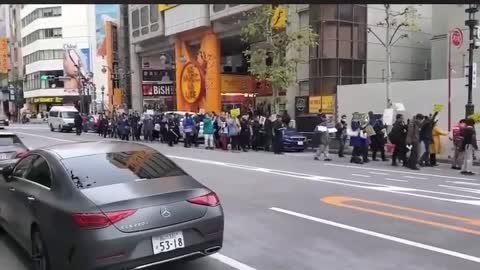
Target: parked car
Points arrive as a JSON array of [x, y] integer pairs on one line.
[[4, 122], [294, 141], [107, 205], [62, 118], [11, 147]]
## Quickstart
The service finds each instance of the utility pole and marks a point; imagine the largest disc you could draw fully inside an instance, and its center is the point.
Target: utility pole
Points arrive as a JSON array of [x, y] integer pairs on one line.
[[124, 56], [472, 24]]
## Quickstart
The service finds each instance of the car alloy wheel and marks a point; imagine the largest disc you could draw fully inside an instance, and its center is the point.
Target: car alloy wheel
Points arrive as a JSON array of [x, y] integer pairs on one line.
[[39, 253]]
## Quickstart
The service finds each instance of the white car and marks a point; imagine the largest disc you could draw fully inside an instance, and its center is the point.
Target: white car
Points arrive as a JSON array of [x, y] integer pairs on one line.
[[181, 115], [62, 118]]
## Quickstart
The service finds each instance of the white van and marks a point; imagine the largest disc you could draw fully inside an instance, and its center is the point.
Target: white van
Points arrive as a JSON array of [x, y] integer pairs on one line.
[[62, 118]]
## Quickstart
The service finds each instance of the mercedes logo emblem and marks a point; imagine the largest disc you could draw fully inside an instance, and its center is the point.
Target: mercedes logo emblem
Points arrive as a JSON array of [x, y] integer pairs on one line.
[[165, 213]]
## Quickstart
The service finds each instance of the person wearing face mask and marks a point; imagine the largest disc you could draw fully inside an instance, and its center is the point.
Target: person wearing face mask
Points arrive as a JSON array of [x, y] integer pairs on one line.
[[341, 135]]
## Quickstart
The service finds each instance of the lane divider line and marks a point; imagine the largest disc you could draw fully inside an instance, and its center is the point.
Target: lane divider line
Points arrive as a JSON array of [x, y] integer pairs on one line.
[[361, 175], [230, 262], [463, 183], [415, 177], [378, 173], [381, 235], [397, 171], [395, 180]]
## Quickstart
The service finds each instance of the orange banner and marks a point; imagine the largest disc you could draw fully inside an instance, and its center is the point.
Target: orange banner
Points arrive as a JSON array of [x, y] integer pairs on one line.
[[3, 55]]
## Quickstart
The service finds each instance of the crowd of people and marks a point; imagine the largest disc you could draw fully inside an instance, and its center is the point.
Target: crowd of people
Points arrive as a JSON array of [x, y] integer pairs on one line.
[[416, 141], [224, 131]]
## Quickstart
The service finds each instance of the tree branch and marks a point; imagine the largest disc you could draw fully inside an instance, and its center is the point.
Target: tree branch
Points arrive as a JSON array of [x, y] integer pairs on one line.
[[395, 32], [381, 41]]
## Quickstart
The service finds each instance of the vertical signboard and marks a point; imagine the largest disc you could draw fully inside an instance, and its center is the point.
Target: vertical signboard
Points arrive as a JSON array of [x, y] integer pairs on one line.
[[3, 55]]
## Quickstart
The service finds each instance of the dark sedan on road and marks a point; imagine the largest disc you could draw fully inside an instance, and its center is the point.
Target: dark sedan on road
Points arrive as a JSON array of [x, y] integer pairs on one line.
[[107, 205], [294, 141]]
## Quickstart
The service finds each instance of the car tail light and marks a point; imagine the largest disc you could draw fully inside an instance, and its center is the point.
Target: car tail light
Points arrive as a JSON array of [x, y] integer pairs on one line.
[[100, 220], [210, 199]]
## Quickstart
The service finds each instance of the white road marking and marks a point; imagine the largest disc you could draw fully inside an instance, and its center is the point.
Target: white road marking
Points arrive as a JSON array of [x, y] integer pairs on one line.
[[231, 262], [476, 191], [361, 175], [378, 173], [415, 177], [344, 182], [463, 183], [44, 137], [397, 171], [381, 235], [395, 180]]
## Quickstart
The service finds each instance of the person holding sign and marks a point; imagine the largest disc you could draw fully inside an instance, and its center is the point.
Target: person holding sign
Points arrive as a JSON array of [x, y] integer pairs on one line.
[[322, 131]]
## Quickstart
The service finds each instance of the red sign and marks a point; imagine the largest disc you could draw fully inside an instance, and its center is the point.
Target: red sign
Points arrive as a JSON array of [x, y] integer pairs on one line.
[[456, 37]]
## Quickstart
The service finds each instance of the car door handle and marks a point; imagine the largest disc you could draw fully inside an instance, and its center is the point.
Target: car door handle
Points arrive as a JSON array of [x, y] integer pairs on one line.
[[31, 198], [12, 189]]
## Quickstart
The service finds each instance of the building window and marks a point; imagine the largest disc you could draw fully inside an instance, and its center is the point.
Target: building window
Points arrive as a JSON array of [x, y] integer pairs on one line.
[[41, 13], [42, 55], [144, 16], [341, 49], [42, 34], [135, 19], [219, 7], [153, 13]]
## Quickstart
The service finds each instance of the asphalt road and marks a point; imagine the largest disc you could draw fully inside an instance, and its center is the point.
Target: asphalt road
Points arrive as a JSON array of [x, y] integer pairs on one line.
[[291, 212]]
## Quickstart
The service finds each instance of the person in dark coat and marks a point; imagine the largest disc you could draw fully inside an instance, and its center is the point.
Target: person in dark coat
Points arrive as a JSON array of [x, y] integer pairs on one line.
[[78, 121], [378, 140], [341, 135], [256, 137], [244, 133], [172, 134], [413, 140], [268, 133], [397, 137], [286, 118], [105, 126], [278, 135]]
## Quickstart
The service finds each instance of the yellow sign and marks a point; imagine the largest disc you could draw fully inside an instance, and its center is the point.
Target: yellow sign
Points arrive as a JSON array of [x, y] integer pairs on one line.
[[48, 100], [437, 107], [235, 112], [279, 18], [3, 55], [163, 7], [324, 104], [236, 83], [191, 83]]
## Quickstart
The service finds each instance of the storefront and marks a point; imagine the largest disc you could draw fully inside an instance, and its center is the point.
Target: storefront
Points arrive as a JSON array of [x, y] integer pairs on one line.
[[43, 104], [158, 83], [158, 96]]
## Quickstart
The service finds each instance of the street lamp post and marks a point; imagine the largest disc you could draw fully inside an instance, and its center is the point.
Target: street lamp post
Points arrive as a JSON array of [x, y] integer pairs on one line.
[[102, 89]]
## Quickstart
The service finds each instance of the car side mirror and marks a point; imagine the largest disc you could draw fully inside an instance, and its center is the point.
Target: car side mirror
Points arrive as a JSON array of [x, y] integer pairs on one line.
[[7, 172]]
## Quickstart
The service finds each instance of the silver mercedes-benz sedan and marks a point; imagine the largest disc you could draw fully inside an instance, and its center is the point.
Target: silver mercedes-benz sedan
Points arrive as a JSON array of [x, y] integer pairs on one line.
[[107, 205]]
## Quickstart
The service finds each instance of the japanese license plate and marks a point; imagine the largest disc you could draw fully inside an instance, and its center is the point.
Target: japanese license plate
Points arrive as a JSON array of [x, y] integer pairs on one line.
[[300, 143], [167, 242], [3, 156]]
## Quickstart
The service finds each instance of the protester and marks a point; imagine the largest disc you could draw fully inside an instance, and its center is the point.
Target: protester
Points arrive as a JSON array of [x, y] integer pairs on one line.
[[469, 145], [379, 140], [208, 131], [341, 135], [233, 128], [425, 141], [397, 137], [244, 133], [457, 139], [148, 126], [188, 126], [413, 140], [286, 119], [436, 146], [278, 129], [268, 133], [321, 131], [256, 136], [172, 135], [358, 139]]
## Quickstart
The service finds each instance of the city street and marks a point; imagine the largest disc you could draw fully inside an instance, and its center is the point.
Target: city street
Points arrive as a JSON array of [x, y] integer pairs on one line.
[[290, 212]]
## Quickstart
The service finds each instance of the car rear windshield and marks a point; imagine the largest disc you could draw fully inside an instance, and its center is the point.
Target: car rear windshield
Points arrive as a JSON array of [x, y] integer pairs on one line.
[[9, 140], [119, 167]]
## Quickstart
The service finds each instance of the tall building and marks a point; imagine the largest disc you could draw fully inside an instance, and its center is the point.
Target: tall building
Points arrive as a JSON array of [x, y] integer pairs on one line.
[[56, 53], [167, 38]]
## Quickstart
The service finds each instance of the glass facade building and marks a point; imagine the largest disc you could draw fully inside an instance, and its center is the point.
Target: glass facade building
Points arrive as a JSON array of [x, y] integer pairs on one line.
[[340, 56]]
